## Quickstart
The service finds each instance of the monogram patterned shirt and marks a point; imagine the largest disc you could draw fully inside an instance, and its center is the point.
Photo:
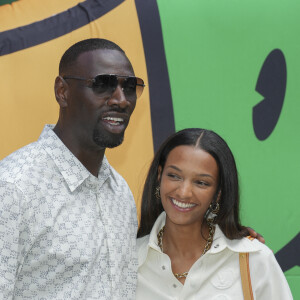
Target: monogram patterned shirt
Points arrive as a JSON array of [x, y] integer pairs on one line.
[[64, 233]]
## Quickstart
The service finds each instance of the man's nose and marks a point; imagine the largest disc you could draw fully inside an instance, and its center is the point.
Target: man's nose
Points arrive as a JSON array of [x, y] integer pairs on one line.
[[118, 98]]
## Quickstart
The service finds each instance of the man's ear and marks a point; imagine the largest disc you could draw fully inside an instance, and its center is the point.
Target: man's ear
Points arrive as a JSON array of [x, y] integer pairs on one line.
[[61, 91]]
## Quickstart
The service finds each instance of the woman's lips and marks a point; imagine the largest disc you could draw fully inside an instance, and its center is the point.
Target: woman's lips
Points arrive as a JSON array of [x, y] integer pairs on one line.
[[182, 206]]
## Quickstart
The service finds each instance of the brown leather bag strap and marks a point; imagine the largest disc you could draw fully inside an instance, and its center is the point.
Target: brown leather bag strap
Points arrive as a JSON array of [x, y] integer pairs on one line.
[[245, 276]]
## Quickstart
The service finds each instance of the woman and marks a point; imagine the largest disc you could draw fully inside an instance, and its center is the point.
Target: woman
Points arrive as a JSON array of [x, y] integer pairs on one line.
[[190, 236]]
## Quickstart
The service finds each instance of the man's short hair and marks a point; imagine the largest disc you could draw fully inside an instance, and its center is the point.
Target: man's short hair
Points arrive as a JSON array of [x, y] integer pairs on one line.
[[70, 56]]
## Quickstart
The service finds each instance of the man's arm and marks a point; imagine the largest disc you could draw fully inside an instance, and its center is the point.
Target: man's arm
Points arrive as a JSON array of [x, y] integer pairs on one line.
[[9, 238]]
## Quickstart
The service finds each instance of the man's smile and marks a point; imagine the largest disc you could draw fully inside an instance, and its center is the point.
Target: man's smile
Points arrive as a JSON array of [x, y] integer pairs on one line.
[[113, 120]]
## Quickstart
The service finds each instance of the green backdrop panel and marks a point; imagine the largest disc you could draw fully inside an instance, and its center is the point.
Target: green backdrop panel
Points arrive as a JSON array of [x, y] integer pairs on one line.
[[215, 51], [2, 2]]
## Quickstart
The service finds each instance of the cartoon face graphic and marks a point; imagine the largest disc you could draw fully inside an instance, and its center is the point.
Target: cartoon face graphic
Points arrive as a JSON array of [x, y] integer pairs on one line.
[[226, 67]]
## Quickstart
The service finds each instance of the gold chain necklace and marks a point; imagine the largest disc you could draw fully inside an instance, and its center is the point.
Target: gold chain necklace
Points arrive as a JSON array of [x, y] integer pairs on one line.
[[207, 246]]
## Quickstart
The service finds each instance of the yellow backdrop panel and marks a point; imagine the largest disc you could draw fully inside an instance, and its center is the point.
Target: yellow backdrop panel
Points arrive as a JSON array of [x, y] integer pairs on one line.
[[27, 80]]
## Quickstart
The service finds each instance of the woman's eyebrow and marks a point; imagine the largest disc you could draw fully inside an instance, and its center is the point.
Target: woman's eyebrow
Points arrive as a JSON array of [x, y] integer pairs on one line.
[[200, 175], [174, 167]]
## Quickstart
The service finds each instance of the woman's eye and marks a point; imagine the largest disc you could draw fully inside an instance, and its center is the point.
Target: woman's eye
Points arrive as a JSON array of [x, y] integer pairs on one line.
[[173, 176], [202, 183]]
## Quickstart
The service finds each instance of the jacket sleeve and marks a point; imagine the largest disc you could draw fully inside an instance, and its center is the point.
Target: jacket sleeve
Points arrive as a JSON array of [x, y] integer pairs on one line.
[[267, 278], [9, 238]]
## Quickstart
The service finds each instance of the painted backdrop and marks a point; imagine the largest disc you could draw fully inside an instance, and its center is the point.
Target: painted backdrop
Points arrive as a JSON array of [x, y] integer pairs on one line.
[[230, 66]]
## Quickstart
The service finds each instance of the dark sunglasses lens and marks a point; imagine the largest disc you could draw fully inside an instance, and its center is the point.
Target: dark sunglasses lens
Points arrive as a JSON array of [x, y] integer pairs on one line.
[[139, 87], [105, 84], [133, 87], [129, 88]]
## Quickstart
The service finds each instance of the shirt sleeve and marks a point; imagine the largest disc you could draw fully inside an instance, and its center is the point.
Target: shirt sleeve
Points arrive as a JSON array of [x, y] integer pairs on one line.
[[268, 280], [9, 238]]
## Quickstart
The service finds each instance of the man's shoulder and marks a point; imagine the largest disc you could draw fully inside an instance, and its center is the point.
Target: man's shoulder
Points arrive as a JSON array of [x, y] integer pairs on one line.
[[19, 162]]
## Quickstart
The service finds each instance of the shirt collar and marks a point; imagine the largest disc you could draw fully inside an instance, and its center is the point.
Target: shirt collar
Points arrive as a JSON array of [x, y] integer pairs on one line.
[[150, 241], [220, 241], [69, 166]]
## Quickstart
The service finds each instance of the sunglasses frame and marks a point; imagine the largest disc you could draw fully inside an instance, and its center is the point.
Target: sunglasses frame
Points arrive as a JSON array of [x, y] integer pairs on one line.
[[91, 81]]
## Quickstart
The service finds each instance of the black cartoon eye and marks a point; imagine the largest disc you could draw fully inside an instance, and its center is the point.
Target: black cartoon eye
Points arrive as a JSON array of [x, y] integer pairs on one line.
[[271, 84]]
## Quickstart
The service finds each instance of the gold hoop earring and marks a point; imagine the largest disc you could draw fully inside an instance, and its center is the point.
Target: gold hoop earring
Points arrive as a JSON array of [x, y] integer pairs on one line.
[[157, 192], [214, 207], [212, 213]]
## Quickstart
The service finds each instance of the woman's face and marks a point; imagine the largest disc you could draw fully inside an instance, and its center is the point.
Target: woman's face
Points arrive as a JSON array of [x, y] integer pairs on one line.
[[188, 185]]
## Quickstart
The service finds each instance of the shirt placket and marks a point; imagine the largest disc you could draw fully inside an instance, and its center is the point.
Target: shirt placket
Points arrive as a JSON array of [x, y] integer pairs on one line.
[[97, 189], [165, 269], [108, 220]]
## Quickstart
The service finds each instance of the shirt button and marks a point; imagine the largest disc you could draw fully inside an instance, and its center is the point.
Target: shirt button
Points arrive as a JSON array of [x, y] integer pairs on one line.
[[163, 267], [216, 246], [174, 286]]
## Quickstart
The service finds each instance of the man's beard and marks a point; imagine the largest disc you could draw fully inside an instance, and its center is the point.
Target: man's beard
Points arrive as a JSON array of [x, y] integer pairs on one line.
[[107, 140]]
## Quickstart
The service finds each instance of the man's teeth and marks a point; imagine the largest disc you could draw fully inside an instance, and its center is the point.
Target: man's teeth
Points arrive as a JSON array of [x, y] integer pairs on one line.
[[182, 205], [113, 120]]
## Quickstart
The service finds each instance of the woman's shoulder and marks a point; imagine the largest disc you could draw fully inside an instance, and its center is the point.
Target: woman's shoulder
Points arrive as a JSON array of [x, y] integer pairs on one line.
[[263, 255], [236, 245], [256, 246], [266, 274]]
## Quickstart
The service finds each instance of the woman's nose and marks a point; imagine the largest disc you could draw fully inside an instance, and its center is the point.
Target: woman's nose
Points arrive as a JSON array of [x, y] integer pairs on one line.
[[184, 190]]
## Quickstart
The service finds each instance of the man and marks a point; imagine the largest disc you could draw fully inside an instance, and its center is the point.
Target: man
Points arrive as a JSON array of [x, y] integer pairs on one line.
[[67, 218]]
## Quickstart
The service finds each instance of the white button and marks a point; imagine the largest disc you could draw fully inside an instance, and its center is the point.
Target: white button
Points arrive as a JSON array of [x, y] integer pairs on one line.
[[174, 286], [163, 267]]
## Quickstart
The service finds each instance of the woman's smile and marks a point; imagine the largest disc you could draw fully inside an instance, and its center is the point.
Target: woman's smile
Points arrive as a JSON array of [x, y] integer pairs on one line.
[[182, 206]]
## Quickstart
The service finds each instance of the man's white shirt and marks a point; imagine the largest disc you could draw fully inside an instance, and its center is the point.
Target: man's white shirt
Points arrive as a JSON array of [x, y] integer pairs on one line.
[[64, 233]]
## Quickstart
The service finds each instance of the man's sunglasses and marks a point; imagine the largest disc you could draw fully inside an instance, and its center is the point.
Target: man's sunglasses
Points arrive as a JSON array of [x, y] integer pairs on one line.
[[106, 84]]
